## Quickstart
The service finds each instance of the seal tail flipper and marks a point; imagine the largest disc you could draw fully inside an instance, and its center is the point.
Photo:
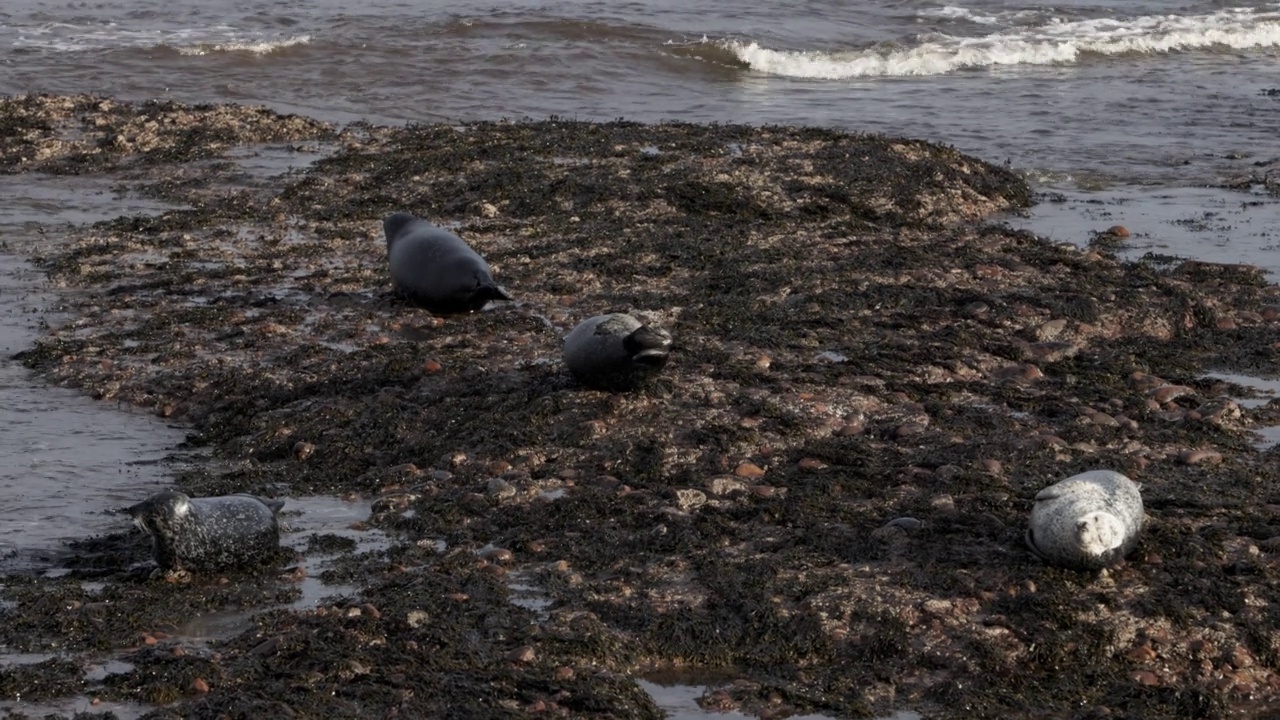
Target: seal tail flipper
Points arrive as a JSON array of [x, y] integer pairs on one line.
[[648, 346], [275, 504], [491, 291], [1030, 539]]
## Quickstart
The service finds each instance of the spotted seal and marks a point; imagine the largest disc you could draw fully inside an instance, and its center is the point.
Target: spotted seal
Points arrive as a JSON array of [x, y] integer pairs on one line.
[[209, 533], [615, 351], [1086, 522], [435, 269]]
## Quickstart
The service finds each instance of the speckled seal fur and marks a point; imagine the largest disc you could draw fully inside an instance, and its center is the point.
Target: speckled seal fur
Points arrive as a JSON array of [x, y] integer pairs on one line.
[[1087, 521], [435, 269], [615, 351], [210, 533]]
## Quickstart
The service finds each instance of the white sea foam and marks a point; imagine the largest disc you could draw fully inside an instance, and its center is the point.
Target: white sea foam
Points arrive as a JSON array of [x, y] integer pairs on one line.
[[1054, 42], [66, 37], [257, 47], [955, 12]]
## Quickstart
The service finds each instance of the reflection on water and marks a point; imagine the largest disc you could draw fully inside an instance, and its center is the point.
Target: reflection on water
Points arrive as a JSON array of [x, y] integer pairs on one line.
[[680, 702], [1204, 223]]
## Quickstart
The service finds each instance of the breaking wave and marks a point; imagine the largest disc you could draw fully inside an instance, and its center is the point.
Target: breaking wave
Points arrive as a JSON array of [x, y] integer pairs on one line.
[[1054, 42]]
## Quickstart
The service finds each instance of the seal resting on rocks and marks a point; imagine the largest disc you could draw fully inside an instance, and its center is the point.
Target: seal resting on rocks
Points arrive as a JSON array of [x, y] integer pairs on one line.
[[209, 533], [615, 351], [1086, 522], [435, 269]]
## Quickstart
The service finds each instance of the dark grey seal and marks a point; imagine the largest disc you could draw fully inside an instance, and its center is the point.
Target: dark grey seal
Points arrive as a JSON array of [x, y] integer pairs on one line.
[[210, 533], [1086, 522], [615, 351], [435, 269]]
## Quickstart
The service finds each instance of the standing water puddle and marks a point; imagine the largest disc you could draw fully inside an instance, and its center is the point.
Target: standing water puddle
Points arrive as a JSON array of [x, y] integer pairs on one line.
[[302, 518], [1268, 435], [1209, 224]]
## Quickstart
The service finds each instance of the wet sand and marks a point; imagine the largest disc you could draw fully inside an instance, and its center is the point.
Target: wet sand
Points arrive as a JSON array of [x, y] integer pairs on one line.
[[854, 346]]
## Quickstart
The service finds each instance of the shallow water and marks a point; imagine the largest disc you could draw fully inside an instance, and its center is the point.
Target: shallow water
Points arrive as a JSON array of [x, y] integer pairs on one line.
[[1138, 90], [67, 462], [302, 517], [680, 702], [1206, 223]]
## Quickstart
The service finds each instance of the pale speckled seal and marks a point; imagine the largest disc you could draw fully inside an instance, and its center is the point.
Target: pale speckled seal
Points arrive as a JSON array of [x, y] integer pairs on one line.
[[615, 351], [435, 269], [209, 533], [1086, 522]]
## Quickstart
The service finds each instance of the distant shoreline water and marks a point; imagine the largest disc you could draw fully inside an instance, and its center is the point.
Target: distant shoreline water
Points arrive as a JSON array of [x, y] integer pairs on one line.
[[1110, 92]]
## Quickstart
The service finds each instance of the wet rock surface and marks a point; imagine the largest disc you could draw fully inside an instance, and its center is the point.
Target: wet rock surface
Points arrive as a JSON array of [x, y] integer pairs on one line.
[[822, 497]]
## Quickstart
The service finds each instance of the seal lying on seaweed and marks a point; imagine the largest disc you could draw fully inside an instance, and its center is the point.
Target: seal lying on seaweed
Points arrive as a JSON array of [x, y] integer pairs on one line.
[[210, 533], [435, 269], [1087, 521], [615, 351]]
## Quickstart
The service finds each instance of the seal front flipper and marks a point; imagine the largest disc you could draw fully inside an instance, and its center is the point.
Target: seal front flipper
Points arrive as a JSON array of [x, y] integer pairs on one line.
[[1030, 538], [490, 291]]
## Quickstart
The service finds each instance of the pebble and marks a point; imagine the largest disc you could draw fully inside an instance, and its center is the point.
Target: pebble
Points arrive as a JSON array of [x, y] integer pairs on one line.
[[199, 686], [904, 524], [811, 464], [848, 429], [497, 554], [688, 498], [522, 654], [563, 673], [1145, 677], [1050, 330], [500, 489], [1168, 393], [767, 491], [1143, 653], [1200, 457], [722, 485], [908, 429], [1021, 373], [995, 467], [1119, 231], [432, 366], [748, 470]]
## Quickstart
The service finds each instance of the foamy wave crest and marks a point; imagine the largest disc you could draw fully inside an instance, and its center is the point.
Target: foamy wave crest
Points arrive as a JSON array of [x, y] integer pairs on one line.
[[66, 37], [955, 12], [257, 47], [1054, 42]]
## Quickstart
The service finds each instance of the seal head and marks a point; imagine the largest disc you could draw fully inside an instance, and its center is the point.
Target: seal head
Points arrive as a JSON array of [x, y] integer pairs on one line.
[[213, 533], [616, 352], [1086, 522], [435, 269]]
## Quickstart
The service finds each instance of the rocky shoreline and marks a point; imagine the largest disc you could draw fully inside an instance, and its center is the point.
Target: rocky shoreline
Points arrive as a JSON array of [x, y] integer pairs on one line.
[[821, 502]]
